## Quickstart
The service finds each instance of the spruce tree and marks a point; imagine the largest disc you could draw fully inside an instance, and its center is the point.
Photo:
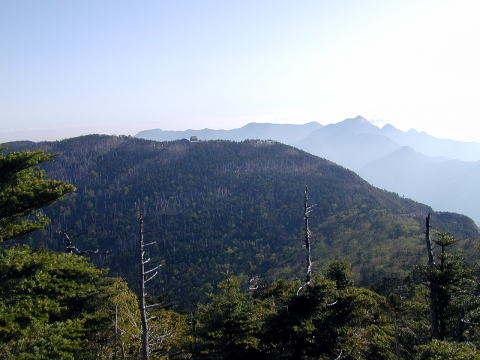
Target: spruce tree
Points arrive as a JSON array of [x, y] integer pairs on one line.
[[24, 189]]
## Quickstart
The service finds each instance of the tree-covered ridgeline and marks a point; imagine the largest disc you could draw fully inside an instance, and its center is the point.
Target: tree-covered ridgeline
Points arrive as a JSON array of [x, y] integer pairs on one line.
[[217, 203], [59, 306]]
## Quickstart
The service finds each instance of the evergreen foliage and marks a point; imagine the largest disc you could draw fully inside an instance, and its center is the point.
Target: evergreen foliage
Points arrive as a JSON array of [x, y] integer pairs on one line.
[[24, 189], [444, 350], [214, 203], [53, 306], [229, 326], [331, 319]]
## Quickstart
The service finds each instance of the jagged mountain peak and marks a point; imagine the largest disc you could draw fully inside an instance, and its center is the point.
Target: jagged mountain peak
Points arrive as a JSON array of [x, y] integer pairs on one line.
[[356, 125], [389, 127]]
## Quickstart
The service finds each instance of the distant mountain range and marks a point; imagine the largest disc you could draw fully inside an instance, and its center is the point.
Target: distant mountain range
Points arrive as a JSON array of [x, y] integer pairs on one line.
[[213, 204], [442, 173], [285, 133]]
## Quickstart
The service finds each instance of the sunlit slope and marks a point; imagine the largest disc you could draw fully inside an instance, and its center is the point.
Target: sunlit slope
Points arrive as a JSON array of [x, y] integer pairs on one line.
[[215, 204]]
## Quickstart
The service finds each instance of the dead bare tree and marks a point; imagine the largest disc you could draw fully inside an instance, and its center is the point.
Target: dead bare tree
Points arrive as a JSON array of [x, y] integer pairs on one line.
[[433, 284], [145, 276], [428, 241], [307, 209]]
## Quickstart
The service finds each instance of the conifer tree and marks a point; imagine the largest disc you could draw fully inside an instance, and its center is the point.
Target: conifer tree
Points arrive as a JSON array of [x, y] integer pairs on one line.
[[230, 325], [24, 189], [54, 305], [449, 280]]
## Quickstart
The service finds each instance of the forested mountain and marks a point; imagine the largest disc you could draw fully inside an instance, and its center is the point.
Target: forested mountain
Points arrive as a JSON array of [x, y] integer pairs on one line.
[[217, 204], [286, 133], [449, 168]]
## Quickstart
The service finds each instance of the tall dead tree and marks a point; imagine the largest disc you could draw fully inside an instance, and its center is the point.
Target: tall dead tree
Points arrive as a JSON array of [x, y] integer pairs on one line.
[[307, 209], [145, 276], [433, 285], [428, 241]]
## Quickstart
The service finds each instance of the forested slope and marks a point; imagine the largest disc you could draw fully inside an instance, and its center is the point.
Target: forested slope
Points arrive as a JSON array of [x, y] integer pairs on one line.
[[218, 203]]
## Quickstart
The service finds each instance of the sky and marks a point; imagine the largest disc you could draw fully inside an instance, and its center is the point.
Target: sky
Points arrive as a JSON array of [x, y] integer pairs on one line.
[[69, 67]]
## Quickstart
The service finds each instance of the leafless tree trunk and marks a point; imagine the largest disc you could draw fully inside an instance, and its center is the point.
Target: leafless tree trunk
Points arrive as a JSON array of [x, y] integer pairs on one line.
[[433, 282], [307, 209], [143, 309], [116, 333], [428, 241], [144, 278]]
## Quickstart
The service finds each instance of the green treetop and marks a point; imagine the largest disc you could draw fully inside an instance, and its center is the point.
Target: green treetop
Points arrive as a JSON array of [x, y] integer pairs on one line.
[[24, 189]]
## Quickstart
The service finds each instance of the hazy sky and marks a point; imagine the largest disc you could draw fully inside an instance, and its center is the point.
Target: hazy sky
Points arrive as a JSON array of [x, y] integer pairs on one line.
[[118, 67]]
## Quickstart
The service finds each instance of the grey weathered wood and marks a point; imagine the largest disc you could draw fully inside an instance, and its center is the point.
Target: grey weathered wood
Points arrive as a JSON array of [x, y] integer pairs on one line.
[[428, 241], [434, 323], [145, 276], [143, 309], [306, 229]]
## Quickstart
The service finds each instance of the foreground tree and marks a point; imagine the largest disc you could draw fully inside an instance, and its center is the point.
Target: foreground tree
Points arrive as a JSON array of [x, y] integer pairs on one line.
[[54, 306], [444, 350], [229, 327], [168, 330], [452, 292], [333, 320], [436, 307], [24, 189]]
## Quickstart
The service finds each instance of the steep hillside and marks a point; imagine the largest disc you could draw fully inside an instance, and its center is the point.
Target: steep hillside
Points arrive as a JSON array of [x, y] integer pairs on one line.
[[215, 204]]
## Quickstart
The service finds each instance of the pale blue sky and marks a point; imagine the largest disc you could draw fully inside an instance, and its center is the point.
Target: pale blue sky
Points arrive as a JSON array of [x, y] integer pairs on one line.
[[77, 67]]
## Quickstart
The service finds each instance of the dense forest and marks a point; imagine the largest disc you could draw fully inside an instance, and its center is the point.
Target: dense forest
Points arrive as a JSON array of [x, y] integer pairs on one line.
[[219, 205], [235, 284]]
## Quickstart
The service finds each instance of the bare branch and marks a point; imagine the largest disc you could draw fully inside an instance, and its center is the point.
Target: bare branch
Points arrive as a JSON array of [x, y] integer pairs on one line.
[[153, 305], [144, 278], [151, 277], [72, 249], [152, 270]]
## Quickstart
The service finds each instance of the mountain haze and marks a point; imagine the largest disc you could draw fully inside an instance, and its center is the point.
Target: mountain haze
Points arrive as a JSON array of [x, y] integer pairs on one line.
[[442, 183], [439, 172], [352, 143], [217, 204], [286, 133]]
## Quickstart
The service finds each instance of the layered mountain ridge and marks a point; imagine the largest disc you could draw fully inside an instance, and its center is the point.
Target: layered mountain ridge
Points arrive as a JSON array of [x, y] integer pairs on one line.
[[217, 205], [439, 172]]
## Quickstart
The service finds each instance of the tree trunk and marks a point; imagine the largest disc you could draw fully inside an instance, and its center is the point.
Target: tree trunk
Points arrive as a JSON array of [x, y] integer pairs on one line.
[[433, 282], [306, 217], [143, 308], [306, 229]]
